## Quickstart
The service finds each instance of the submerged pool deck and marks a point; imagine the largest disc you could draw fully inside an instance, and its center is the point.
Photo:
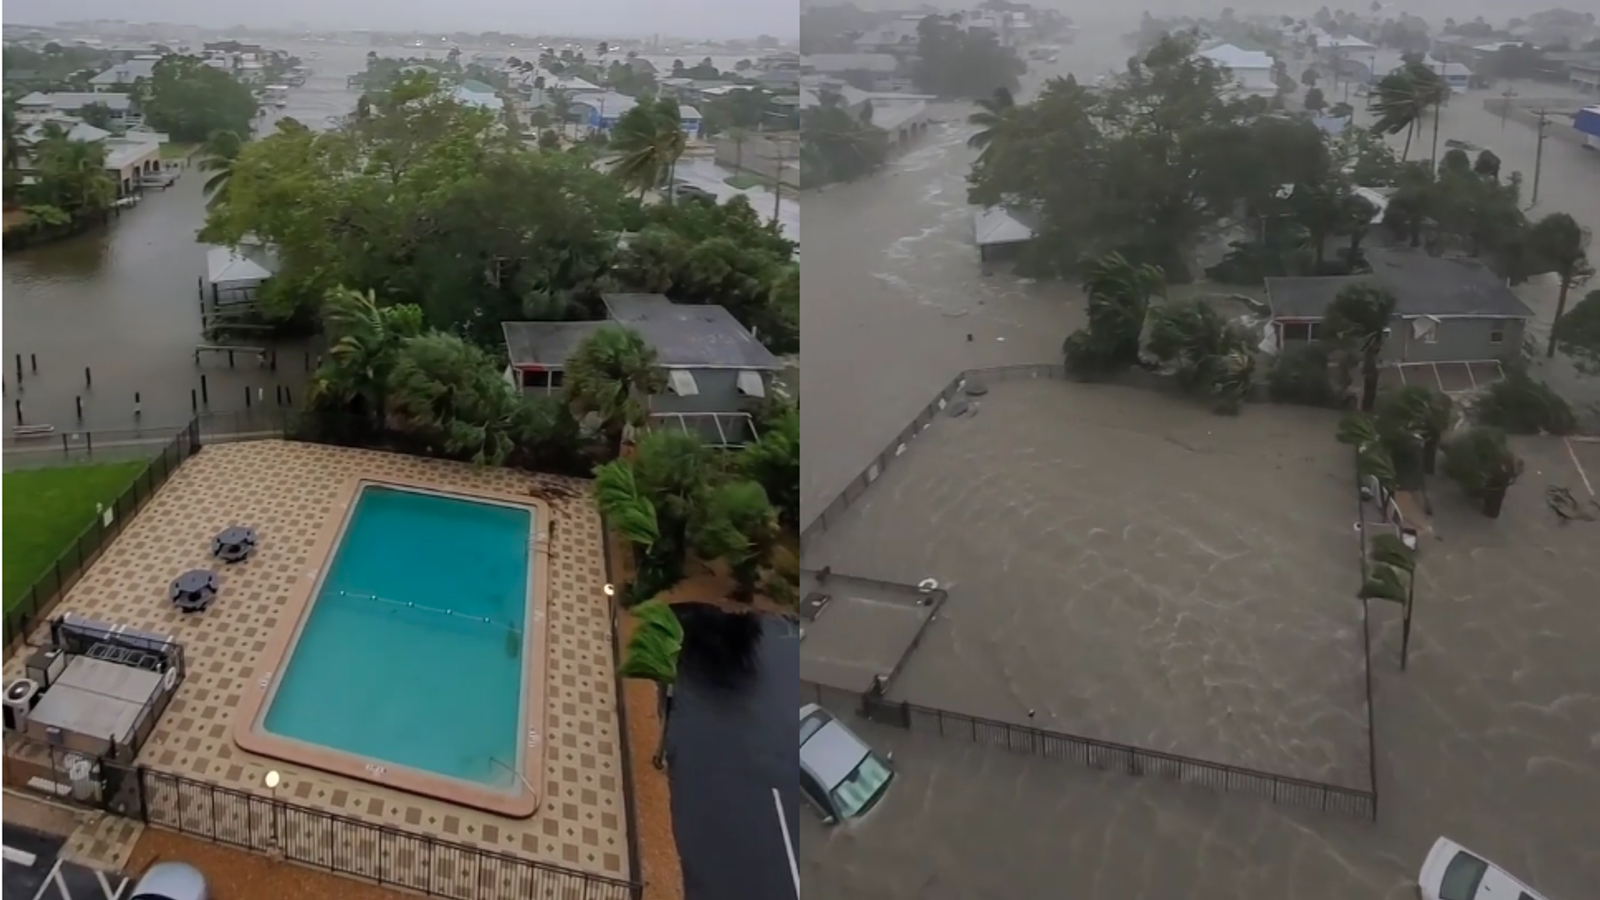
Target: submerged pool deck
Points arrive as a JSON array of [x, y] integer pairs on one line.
[[249, 732], [289, 492]]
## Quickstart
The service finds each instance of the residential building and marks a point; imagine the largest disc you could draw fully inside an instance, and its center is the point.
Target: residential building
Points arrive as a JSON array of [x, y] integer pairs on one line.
[[124, 74], [1252, 70], [478, 94], [1582, 71], [717, 372], [1001, 233], [1447, 310], [39, 107], [600, 110], [898, 37], [129, 160]]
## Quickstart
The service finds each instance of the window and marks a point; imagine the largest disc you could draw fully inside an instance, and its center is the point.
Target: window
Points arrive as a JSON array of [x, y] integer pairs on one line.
[[542, 378], [1462, 877], [813, 791], [1431, 336], [862, 787], [1497, 331], [1299, 331]]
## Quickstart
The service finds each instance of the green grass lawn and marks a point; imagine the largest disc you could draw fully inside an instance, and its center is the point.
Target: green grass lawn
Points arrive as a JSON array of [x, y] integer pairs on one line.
[[177, 150], [46, 510], [745, 181]]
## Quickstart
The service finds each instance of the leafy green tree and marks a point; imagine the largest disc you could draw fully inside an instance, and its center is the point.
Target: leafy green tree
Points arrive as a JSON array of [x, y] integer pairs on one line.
[[1487, 165], [1314, 101], [952, 62], [1119, 295], [189, 100], [70, 176], [1208, 354], [1357, 324], [650, 138], [364, 343], [1480, 459], [98, 115], [652, 655], [1422, 416], [836, 146], [773, 461], [1578, 332], [1560, 243], [448, 395], [610, 377]]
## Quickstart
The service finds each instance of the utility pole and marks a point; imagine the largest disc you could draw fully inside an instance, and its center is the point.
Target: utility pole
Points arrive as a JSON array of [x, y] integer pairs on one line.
[[1438, 109], [777, 182], [1505, 109], [1538, 156]]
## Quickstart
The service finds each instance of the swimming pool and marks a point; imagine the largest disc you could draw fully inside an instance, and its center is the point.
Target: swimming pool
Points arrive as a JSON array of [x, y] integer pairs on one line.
[[411, 662]]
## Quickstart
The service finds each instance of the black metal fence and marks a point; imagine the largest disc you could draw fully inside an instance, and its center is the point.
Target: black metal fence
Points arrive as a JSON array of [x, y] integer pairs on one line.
[[875, 469], [1096, 754], [67, 448], [359, 849], [26, 611]]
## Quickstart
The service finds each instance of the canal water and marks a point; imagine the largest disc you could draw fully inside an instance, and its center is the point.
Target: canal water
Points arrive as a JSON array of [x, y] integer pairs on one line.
[[123, 302]]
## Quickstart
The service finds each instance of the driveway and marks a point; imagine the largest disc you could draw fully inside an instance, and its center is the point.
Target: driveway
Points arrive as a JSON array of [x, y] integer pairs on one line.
[[34, 870], [731, 746]]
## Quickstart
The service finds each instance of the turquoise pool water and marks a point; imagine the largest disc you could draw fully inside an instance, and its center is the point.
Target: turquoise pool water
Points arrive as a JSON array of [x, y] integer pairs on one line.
[[412, 651]]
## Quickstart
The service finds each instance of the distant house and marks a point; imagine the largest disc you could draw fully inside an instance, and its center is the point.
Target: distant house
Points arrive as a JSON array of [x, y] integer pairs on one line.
[[1252, 69], [124, 74], [479, 95], [601, 110], [129, 160], [1446, 310], [37, 107], [717, 372]]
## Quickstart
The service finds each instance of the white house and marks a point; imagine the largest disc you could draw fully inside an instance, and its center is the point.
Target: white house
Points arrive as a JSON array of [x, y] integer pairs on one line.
[[124, 74], [1252, 69], [37, 107]]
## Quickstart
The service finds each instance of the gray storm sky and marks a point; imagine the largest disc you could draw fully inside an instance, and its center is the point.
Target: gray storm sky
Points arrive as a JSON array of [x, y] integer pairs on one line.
[[599, 18]]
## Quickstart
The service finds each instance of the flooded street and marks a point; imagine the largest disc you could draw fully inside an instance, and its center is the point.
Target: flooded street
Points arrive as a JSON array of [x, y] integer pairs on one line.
[[893, 289]]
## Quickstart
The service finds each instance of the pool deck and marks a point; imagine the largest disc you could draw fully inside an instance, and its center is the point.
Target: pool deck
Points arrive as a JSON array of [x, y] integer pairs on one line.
[[288, 492], [522, 800]]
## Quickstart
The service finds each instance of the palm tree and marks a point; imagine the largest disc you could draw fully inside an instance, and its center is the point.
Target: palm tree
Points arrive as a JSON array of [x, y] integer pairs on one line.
[[995, 119], [1421, 415], [652, 655], [448, 394], [1401, 99], [626, 507], [651, 139], [1482, 462], [738, 134], [1559, 242], [736, 522], [1358, 321], [611, 376], [217, 157], [364, 343]]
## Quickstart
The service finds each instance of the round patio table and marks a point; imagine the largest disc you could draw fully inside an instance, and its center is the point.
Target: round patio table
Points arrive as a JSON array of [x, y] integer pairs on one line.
[[234, 544], [194, 590]]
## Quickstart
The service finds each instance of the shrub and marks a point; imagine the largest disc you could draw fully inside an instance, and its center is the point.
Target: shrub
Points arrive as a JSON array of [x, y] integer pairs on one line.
[[1300, 375], [1518, 404], [1578, 332]]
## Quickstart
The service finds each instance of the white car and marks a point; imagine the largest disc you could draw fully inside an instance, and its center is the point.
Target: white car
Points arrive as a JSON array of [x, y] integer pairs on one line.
[[1452, 872]]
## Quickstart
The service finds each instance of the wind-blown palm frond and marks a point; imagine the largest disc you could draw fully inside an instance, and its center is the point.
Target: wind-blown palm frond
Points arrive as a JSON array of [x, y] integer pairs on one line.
[[1391, 551], [657, 643], [1384, 583], [625, 507]]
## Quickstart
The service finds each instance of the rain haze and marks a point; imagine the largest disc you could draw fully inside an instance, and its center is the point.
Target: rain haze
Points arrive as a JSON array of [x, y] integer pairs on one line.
[[1123, 579]]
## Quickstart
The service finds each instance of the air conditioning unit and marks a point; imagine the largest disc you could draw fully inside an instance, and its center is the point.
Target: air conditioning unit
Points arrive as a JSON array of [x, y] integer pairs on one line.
[[46, 666], [21, 695]]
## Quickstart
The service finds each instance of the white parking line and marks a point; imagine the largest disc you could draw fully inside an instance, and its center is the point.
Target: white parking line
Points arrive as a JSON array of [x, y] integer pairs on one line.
[[20, 857], [788, 842]]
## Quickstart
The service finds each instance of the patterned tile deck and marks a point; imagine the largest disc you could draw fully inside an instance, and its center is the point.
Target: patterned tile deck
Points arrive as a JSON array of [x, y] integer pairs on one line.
[[285, 491]]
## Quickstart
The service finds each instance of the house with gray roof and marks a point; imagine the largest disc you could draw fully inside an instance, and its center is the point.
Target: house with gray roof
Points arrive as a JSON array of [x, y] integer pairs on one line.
[[1446, 310], [122, 75], [38, 106], [717, 373]]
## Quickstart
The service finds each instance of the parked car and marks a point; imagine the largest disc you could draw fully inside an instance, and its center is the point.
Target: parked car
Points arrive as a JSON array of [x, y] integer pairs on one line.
[[1452, 872], [1468, 146], [171, 881], [840, 775], [692, 192]]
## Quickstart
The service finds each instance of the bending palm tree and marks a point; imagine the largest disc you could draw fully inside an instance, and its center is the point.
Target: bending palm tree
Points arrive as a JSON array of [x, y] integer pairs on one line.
[[1402, 98], [611, 376], [364, 343], [651, 139], [994, 118], [652, 655], [219, 152], [1359, 319]]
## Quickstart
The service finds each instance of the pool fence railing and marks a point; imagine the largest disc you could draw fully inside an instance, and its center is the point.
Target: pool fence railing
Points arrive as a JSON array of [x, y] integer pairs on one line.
[[24, 613], [357, 848]]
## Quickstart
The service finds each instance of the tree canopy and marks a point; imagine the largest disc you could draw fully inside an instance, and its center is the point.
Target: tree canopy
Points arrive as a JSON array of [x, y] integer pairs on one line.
[[953, 62], [190, 100]]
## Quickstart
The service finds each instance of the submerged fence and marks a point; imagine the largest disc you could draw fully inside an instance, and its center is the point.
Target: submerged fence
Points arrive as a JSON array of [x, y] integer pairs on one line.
[[1093, 753]]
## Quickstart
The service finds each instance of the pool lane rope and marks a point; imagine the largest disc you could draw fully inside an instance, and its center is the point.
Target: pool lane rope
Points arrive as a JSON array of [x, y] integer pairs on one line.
[[399, 604]]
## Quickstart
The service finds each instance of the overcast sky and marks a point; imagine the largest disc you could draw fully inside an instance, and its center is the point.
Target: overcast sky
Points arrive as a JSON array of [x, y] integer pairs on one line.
[[597, 18]]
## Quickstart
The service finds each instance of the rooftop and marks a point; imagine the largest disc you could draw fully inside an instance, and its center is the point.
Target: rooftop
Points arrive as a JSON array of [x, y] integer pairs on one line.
[[996, 225], [1423, 286], [850, 62], [74, 100], [685, 336], [127, 72], [1236, 59]]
